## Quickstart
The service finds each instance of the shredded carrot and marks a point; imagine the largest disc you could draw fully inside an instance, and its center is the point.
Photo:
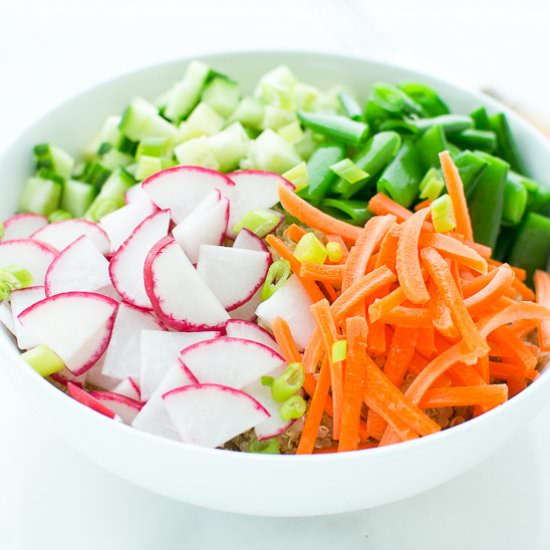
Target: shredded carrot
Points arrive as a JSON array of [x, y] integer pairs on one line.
[[285, 341], [403, 344], [441, 314], [328, 290], [409, 271], [413, 317], [542, 286], [381, 205], [514, 348], [455, 188], [388, 251], [280, 247], [424, 204], [354, 382], [313, 217], [294, 232], [382, 306], [322, 272], [489, 396], [514, 312], [496, 287], [523, 327], [376, 339], [425, 343]]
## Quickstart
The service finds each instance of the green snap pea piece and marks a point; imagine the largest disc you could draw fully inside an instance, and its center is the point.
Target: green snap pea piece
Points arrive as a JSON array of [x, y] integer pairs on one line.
[[538, 193], [320, 176], [349, 210], [481, 119], [427, 98], [450, 123], [484, 140], [339, 128], [506, 147], [470, 167], [430, 144], [350, 106], [515, 202], [394, 100]]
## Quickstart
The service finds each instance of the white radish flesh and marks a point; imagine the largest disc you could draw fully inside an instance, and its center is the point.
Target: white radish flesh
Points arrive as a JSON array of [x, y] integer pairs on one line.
[[62, 233], [237, 328], [22, 226], [121, 405], [34, 256], [250, 241], [20, 301]]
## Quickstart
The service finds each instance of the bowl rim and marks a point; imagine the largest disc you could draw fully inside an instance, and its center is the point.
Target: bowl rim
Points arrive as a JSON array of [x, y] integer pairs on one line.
[[223, 454]]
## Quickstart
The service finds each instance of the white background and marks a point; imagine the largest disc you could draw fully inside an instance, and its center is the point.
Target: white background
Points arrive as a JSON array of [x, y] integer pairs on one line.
[[51, 498]]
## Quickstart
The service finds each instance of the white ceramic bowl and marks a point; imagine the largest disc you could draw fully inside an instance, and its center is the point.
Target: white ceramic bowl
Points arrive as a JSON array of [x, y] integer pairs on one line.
[[251, 483]]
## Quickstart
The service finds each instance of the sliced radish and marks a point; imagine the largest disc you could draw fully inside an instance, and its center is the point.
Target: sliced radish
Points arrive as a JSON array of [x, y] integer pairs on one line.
[[182, 188], [79, 266], [237, 328], [206, 224], [153, 418], [233, 274], [63, 233], [95, 377], [247, 312], [275, 425], [126, 267], [129, 388], [122, 358], [22, 226], [250, 241], [76, 325], [292, 303], [255, 190], [20, 301], [136, 194], [211, 414], [120, 224], [159, 350], [179, 296], [121, 405], [6, 318], [64, 376], [34, 256], [82, 396], [231, 362]]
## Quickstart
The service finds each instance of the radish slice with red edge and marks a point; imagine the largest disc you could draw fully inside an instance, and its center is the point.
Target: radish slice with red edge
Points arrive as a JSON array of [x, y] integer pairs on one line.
[[6, 317], [76, 325], [121, 405], [22, 226], [250, 241], [34, 256], [247, 311], [126, 267], [206, 224], [79, 266], [181, 188], [209, 415], [180, 297], [233, 274], [20, 300], [237, 328], [82, 396], [62, 233]]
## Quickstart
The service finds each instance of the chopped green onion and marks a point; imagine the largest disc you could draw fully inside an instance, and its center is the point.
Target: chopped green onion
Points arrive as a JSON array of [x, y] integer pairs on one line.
[[58, 215], [298, 176], [260, 222], [43, 360], [431, 185], [339, 128], [268, 447], [339, 350], [443, 215], [334, 251], [310, 249], [349, 171], [278, 273], [288, 383], [294, 407], [13, 277], [292, 133], [267, 381]]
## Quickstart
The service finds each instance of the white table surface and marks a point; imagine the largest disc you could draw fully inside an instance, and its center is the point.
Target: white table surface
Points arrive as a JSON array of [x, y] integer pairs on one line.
[[52, 498]]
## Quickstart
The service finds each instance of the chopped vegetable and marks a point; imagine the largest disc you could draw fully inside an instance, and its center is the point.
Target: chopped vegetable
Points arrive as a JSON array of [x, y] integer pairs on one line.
[[288, 383], [310, 249], [278, 273], [443, 215]]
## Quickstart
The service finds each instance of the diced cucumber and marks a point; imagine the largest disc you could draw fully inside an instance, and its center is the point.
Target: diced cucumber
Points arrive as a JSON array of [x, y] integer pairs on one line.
[[222, 94], [229, 146], [269, 151], [153, 147], [307, 97], [292, 132], [275, 118], [249, 112], [40, 196], [203, 121], [147, 166], [109, 134], [95, 174], [276, 88], [77, 197], [112, 195], [197, 151], [141, 120], [113, 159], [53, 158], [307, 145], [186, 93]]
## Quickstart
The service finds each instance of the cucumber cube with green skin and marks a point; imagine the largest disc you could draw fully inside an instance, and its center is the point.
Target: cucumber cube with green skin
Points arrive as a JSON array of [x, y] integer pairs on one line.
[[141, 120], [222, 95], [203, 121], [276, 118], [54, 158], [77, 197], [250, 113], [40, 196], [186, 94], [229, 146], [147, 166], [269, 151], [113, 159], [95, 173], [112, 193], [198, 152]]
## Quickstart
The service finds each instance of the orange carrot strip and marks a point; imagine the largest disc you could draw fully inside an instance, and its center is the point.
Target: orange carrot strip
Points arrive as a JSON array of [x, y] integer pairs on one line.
[[521, 274], [523, 327], [417, 364], [423, 204], [413, 317], [542, 286], [381, 205], [314, 414], [489, 396], [294, 232], [455, 188], [385, 399], [382, 306], [514, 347], [496, 287], [441, 275], [359, 256], [280, 247], [325, 323], [285, 341], [455, 249], [523, 290], [334, 448], [465, 375], [354, 382], [504, 370], [313, 217], [376, 338], [409, 271], [328, 290], [375, 425], [401, 352], [441, 314], [322, 272], [388, 251], [514, 312], [471, 287]]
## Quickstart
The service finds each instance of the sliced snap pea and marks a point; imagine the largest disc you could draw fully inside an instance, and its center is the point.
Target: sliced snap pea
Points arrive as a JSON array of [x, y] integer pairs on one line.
[[394, 100], [484, 140], [470, 167], [515, 202], [339, 128], [352, 211], [450, 123], [350, 106], [427, 98], [506, 147], [430, 144], [538, 193], [481, 119]]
